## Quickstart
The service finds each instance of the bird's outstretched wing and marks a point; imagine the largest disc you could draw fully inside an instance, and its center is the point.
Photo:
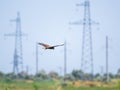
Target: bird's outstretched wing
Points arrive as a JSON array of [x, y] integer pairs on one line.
[[58, 45], [45, 45]]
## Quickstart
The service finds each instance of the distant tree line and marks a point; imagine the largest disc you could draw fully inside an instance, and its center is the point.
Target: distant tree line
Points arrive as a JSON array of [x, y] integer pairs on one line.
[[42, 75]]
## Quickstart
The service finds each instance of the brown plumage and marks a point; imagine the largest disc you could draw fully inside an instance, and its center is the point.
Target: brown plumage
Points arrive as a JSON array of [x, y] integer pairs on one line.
[[46, 46]]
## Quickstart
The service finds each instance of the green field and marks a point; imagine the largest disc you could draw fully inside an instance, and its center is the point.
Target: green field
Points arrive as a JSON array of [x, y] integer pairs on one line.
[[46, 85]]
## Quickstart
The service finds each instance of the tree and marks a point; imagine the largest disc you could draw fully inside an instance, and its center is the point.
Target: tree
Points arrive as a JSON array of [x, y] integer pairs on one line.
[[53, 74], [69, 77], [42, 75], [1, 74], [77, 74]]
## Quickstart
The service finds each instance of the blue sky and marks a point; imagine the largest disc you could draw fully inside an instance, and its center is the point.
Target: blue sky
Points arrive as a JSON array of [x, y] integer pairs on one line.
[[48, 21]]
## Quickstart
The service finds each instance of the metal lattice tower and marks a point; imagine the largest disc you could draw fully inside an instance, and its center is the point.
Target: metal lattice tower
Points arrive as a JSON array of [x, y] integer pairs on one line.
[[18, 55], [87, 48]]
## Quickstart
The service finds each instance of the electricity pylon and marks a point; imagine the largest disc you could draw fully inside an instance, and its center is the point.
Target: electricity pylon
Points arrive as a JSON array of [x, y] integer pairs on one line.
[[18, 55], [87, 47]]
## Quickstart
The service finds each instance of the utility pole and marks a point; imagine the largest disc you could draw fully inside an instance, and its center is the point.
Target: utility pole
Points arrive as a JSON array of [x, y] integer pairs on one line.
[[36, 58], [107, 62], [65, 58]]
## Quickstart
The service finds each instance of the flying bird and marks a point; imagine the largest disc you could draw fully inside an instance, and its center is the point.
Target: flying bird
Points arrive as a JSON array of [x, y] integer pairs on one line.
[[46, 46]]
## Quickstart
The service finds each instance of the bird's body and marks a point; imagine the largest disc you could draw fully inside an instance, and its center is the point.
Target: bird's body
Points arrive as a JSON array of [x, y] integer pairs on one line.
[[46, 46]]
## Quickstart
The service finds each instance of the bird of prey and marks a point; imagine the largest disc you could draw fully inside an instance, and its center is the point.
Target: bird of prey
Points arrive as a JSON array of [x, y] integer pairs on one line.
[[46, 46]]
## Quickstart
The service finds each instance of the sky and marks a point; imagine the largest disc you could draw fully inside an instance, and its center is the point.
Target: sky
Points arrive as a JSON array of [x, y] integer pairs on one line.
[[48, 21]]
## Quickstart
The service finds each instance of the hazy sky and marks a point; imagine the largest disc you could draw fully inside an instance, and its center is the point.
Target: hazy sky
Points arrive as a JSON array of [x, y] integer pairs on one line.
[[48, 21]]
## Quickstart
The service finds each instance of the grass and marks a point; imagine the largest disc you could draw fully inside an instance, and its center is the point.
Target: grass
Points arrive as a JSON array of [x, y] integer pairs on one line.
[[119, 85], [22, 85], [45, 85], [88, 88]]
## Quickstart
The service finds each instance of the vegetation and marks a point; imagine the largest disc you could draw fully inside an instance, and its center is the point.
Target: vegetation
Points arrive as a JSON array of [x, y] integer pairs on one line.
[[42, 75], [52, 81], [47, 85], [119, 85]]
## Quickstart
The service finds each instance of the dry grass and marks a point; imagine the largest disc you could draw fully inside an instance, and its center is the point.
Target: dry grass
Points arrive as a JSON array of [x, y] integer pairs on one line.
[[93, 83]]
